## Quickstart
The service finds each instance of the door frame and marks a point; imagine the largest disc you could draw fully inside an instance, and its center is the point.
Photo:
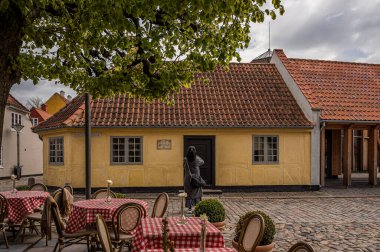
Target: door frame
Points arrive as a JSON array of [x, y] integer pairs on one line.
[[186, 139]]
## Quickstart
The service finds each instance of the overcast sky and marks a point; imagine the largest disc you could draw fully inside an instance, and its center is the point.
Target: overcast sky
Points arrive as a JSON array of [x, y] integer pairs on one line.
[[344, 30]]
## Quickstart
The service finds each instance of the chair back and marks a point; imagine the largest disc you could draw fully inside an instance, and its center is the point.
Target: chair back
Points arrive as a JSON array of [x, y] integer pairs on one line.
[[252, 233], [301, 247], [102, 194], [38, 187], [58, 198], [142, 210], [127, 217], [103, 234], [69, 188], [3, 208], [160, 205], [46, 217], [59, 224]]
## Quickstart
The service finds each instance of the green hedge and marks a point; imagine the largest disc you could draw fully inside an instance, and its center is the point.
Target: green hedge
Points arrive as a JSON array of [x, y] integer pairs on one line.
[[22, 188], [269, 232], [212, 208], [120, 195]]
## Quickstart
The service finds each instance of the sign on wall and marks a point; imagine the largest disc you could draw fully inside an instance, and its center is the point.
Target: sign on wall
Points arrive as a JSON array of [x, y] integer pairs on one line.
[[164, 144]]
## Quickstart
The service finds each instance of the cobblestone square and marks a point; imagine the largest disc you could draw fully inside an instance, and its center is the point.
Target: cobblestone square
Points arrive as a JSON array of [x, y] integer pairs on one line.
[[332, 219]]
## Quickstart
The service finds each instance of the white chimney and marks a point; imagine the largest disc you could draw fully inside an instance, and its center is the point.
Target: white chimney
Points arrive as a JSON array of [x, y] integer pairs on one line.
[[69, 97], [62, 93]]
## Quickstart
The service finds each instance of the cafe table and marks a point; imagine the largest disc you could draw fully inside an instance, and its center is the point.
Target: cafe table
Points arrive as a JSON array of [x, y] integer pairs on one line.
[[22, 203], [84, 212], [148, 234]]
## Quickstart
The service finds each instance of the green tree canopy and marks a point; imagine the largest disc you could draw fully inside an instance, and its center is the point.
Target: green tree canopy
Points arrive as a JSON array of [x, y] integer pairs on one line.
[[147, 48]]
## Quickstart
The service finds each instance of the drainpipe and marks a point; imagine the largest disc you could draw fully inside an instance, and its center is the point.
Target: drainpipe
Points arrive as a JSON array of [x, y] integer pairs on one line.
[[322, 152]]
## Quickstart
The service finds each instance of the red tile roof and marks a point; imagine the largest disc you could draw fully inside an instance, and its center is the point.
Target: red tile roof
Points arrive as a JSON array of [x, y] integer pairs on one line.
[[342, 90], [249, 95], [41, 114], [11, 101]]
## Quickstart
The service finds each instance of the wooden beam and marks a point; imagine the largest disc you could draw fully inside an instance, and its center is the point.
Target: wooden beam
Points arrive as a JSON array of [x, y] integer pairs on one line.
[[372, 155], [364, 148], [347, 155], [336, 153], [323, 156], [342, 126]]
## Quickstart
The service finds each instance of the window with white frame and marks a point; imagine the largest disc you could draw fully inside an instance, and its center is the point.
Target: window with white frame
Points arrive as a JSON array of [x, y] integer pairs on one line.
[[1, 157], [265, 149], [126, 150], [34, 121], [56, 150], [16, 118]]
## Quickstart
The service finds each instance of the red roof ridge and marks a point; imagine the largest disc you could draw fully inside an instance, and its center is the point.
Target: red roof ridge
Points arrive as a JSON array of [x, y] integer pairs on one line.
[[335, 61], [75, 115]]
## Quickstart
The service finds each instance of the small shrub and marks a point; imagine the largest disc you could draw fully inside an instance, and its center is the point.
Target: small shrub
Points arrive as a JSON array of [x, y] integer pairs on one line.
[[269, 232], [120, 195], [212, 208], [22, 188]]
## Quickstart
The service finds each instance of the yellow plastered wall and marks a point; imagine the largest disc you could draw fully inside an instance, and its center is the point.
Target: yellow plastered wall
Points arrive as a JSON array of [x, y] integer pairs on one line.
[[54, 104], [233, 158]]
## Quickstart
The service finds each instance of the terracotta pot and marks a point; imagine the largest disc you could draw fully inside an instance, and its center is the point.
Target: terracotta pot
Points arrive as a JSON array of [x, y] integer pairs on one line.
[[265, 248], [219, 225]]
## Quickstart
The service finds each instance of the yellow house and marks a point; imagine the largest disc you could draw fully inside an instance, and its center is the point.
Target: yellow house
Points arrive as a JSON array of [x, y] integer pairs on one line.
[[56, 102], [245, 124]]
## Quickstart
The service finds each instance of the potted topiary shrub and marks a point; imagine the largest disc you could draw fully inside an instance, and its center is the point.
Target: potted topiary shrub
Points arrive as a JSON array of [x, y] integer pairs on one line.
[[214, 210], [266, 244]]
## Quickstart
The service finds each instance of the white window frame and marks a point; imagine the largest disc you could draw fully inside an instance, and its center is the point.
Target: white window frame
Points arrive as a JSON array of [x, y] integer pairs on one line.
[[53, 153], [34, 121], [125, 159], [16, 118], [266, 154]]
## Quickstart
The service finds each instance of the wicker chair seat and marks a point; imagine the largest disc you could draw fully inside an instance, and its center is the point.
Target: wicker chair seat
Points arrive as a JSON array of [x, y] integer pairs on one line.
[[122, 236], [35, 216], [84, 232]]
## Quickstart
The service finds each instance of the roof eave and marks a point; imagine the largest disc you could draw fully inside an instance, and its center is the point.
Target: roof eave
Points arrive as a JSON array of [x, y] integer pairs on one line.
[[182, 127], [350, 121]]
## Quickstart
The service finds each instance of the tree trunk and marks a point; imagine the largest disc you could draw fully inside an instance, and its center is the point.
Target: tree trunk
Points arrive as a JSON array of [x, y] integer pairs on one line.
[[11, 33]]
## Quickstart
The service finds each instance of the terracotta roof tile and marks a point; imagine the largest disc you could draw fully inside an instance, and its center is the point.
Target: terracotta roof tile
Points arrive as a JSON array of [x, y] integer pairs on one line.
[[43, 114], [342, 90], [11, 101], [249, 95]]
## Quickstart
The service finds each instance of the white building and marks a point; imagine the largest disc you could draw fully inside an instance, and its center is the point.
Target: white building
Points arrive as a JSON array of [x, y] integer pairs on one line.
[[30, 144]]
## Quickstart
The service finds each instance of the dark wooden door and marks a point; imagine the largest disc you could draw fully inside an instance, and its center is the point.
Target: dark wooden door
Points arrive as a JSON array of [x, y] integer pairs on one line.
[[205, 146]]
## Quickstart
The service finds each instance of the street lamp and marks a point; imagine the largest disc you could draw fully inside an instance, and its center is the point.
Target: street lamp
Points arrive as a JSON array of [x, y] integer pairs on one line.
[[18, 128]]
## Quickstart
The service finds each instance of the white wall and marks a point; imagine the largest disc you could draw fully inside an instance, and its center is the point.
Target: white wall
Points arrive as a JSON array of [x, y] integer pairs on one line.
[[312, 115], [30, 146]]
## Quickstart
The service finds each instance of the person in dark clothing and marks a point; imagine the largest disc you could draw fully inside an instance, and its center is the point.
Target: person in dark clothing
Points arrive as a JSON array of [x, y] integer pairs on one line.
[[191, 167]]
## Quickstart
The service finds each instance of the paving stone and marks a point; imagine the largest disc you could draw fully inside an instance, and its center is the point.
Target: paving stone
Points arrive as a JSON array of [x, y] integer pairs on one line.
[[333, 219]]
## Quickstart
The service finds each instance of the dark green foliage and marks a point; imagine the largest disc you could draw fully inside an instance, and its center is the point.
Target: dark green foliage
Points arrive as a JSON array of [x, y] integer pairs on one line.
[[22, 188], [270, 229], [120, 195], [212, 208]]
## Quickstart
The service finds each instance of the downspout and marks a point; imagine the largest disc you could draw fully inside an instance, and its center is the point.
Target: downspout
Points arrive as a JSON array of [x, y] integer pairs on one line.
[[321, 148]]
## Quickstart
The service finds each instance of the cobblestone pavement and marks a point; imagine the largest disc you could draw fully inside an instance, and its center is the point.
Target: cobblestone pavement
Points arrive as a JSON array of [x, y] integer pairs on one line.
[[332, 219]]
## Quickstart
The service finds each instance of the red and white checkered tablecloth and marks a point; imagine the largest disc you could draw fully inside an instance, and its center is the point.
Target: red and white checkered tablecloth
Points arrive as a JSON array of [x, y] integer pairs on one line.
[[22, 203], [195, 250], [149, 234], [84, 212]]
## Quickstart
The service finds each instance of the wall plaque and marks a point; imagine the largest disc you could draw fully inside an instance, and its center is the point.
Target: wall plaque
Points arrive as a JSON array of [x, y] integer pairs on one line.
[[164, 144]]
